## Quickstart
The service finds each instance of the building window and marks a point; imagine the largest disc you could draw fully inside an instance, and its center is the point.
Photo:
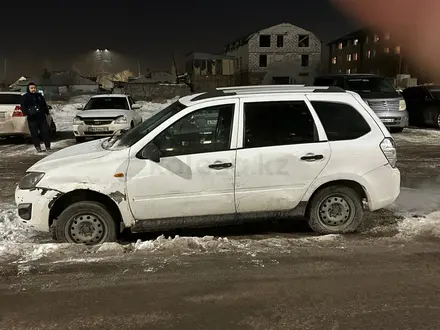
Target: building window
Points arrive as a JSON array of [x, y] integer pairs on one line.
[[374, 53], [303, 41], [264, 40], [355, 42], [349, 57], [397, 50], [304, 60], [367, 39], [387, 36], [376, 38], [263, 61], [355, 70], [334, 60], [368, 53], [280, 41], [355, 56], [340, 46], [386, 50], [348, 71]]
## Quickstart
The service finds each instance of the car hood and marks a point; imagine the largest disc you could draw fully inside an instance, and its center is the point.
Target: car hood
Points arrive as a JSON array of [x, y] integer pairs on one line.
[[102, 113], [77, 153]]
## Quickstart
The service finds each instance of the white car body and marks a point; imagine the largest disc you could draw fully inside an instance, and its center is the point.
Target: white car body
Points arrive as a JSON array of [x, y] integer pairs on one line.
[[105, 122], [12, 120], [188, 190]]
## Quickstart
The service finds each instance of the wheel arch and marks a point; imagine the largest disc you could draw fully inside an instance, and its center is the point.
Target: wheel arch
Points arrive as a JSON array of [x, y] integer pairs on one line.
[[356, 186], [81, 195]]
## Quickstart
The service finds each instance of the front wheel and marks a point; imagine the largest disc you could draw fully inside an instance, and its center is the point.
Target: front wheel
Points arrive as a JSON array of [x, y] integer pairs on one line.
[[335, 210], [85, 223]]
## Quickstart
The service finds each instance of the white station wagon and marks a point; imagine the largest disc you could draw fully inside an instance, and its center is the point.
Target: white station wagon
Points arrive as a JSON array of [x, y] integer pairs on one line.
[[219, 158]]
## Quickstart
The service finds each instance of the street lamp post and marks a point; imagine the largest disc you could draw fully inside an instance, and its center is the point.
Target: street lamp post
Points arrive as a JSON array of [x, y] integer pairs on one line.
[[102, 57]]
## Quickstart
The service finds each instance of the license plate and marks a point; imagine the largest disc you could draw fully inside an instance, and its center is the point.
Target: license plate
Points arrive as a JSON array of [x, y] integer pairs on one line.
[[388, 120], [98, 129]]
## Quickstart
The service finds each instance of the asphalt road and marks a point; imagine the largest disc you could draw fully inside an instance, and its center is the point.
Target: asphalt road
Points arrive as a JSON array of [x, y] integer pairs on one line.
[[371, 280]]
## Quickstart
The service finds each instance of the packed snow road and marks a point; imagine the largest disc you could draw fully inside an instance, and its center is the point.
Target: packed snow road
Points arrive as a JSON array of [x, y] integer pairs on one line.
[[274, 275]]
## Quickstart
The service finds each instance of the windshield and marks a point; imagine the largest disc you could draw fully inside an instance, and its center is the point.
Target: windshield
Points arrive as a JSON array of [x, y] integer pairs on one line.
[[10, 98], [137, 133], [369, 85], [435, 93], [100, 103]]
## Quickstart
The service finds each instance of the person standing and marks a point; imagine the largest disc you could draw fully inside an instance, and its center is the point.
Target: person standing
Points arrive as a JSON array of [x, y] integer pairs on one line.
[[34, 107]]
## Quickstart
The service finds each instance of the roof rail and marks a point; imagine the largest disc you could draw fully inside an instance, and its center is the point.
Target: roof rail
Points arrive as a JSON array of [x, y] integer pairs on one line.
[[280, 89]]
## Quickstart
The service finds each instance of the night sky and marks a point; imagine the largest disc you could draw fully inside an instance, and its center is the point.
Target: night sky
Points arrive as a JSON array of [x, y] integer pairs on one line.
[[57, 34]]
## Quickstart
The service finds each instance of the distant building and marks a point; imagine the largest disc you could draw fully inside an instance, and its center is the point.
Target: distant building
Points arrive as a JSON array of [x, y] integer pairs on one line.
[[58, 83], [281, 54], [365, 51], [208, 71]]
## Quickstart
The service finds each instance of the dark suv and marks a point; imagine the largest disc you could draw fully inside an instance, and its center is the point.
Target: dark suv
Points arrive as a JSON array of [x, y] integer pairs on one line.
[[377, 92], [423, 105]]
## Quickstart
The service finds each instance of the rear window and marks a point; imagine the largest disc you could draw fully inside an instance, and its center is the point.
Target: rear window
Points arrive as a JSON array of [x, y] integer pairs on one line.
[[10, 98], [341, 121], [369, 85]]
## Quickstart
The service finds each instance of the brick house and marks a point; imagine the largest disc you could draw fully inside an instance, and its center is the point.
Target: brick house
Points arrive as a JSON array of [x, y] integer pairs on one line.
[[281, 54], [366, 51]]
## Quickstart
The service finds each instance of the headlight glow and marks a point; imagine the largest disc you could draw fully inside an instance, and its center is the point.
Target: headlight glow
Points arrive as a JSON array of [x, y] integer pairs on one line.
[[30, 180], [402, 105]]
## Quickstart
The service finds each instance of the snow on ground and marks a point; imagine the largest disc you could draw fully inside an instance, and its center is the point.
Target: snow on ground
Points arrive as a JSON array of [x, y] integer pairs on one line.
[[419, 136]]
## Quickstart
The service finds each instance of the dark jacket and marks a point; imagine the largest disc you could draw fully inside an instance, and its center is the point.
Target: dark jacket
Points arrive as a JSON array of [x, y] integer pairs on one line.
[[34, 106]]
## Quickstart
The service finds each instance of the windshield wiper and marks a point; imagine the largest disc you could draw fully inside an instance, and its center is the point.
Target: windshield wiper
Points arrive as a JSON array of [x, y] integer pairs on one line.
[[114, 137]]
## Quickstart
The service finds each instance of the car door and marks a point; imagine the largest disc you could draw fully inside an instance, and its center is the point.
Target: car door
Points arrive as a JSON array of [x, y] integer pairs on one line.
[[195, 174], [416, 102], [282, 149]]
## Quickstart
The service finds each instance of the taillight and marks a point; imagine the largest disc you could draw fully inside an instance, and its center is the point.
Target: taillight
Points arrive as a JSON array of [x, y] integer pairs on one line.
[[17, 112], [388, 147]]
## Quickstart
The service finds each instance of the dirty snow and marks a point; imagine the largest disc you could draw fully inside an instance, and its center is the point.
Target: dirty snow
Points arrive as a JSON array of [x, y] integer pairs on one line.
[[419, 136]]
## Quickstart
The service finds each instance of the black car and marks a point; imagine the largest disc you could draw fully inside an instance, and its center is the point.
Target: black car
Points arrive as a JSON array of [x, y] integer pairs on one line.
[[423, 104]]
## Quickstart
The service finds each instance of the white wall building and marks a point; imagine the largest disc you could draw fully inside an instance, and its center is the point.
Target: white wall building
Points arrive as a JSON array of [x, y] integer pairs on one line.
[[281, 54]]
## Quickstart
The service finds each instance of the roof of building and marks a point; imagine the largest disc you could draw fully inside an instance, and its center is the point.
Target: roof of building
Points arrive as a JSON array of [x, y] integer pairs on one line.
[[59, 78], [350, 36], [208, 56]]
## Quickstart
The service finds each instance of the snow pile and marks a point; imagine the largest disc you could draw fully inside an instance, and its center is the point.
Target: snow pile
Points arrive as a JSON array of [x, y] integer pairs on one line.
[[420, 227], [11, 228], [425, 136]]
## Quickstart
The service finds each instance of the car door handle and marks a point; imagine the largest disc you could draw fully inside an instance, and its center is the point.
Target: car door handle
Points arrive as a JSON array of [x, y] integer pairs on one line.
[[220, 166], [312, 157]]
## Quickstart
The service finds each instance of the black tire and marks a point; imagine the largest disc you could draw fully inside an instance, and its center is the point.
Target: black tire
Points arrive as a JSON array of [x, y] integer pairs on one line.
[[132, 125], [80, 139], [437, 121], [349, 203], [53, 129], [91, 216], [396, 129]]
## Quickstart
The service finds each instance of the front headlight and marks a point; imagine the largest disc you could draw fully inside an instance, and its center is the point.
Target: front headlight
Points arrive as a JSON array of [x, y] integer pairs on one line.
[[121, 120], [30, 180], [402, 105], [77, 121]]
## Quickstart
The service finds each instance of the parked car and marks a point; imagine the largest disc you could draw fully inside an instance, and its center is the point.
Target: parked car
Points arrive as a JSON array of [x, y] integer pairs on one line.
[[378, 92], [12, 120], [105, 115], [278, 150], [423, 105]]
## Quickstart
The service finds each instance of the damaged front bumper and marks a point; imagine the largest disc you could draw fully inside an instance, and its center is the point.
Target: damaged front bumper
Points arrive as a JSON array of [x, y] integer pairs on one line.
[[34, 206]]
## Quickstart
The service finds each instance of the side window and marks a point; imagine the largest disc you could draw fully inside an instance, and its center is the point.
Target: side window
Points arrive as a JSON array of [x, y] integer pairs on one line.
[[204, 130], [278, 123], [341, 121]]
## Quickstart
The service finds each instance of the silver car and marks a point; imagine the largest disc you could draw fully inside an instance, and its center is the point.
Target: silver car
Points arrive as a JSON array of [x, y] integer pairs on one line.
[[378, 92]]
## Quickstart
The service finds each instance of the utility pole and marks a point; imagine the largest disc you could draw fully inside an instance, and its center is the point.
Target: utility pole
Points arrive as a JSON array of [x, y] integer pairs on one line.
[[6, 70]]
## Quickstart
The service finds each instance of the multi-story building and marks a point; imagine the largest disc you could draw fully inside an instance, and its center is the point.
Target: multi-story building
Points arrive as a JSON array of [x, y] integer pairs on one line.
[[281, 54], [364, 51]]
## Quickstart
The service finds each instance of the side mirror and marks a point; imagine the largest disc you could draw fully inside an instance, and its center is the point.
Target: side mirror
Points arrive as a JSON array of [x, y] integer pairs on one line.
[[79, 107], [136, 106], [151, 152]]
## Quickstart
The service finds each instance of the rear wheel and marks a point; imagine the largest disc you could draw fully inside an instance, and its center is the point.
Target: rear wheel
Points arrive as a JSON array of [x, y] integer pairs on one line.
[[53, 129], [335, 210], [80, 139], [437, 120], [85, 223]]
